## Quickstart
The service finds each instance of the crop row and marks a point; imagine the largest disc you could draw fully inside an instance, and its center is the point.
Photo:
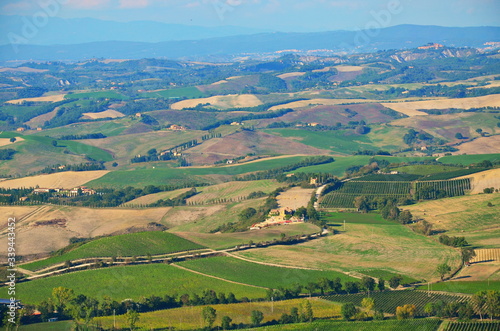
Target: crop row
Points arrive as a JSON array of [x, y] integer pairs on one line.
[[388, 301], [473, 326], [452, 188], [376, 188]]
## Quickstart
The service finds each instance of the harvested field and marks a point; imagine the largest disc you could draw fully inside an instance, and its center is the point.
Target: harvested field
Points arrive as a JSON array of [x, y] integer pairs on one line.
[[484, 179], [480, 271], [80, 222], [50, 98], [178, 216], [6, 141], [110, 113], [291, 75], [152, 198], [348, 68], [483, 145], [488, 254], [221, 101], [465, 216], [67, 179], [412, 108], [23, 69], [40, 120], [295, 197], [317, 102]]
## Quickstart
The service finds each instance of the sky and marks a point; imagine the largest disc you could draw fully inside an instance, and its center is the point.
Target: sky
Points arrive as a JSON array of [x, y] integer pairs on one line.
[[278, 15]]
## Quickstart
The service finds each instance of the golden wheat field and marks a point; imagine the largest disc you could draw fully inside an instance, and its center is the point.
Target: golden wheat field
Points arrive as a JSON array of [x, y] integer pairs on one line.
[[221, 101], [68, 179], [50, 98]]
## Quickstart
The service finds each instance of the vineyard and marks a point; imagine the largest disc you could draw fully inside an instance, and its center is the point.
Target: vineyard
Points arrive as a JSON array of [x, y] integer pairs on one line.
[[344, 196], [388, 301], [487, 254], [452, 188], [473, 326]]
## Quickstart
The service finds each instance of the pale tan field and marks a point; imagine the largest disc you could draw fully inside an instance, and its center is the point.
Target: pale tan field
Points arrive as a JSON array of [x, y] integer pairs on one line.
[[219, 82], [411, 108], [80, 222], [68, 179], [480, 272], [291, 74], [6, 141], [295, 197], [111, 113], [348, 68], [466, 216], [325, 69], [40, 120], [221, 101], [316, 102], [232, 190], [484, 179], [23, 69], [178, 216], [483, 145], [152, 198], [50, 98]]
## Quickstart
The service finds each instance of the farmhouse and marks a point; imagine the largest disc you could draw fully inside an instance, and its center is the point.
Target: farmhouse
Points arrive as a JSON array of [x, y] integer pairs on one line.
[[176, 127]]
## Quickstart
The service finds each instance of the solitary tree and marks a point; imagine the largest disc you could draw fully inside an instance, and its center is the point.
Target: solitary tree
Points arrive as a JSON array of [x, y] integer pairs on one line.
[[348, 310], [307, 314], [442, 270], [13, 139], [368, 304], [467, 254], [209, 315], [381, 284], [256, 317], [226, 322], [368, 283], [395, 281], [405, 312], [132, 318]]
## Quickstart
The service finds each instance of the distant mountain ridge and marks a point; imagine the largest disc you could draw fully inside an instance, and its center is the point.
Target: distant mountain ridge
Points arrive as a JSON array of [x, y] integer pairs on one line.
[[230, 47], [84, 30]]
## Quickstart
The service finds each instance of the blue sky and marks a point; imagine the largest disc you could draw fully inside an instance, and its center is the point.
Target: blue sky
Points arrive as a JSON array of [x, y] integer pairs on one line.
[[284, 15]]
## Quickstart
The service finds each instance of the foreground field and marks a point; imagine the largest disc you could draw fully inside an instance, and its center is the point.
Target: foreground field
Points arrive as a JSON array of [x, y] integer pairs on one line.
[[464, 286], [257, 274], [467, 216], [368, 241], [134, 244], [132, 282]]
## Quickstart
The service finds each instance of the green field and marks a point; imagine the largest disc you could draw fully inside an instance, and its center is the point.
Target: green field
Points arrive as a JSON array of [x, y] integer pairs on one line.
[[134, 244], [48, 326], [338, 167], [97, 95], [131, 282], [468, 287], [387, 325], [469, 159], [144, 177], [184, 92], [257, 274], [336, 141], [388, 301], [425, 169], [473, 326]]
